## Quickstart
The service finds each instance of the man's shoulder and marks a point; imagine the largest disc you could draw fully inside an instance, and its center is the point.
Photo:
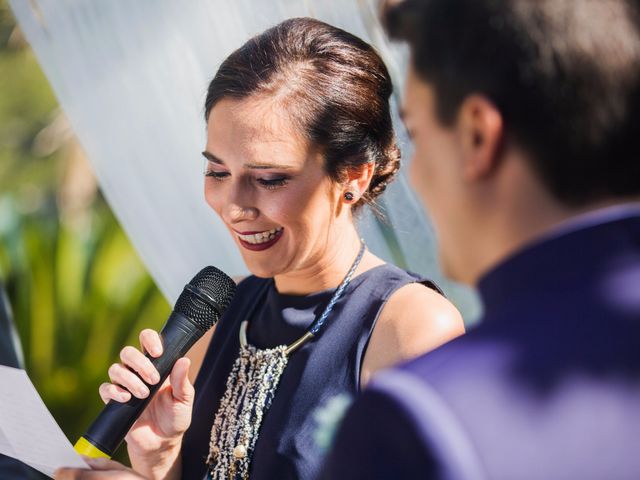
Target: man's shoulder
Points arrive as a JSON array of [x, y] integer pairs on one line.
[[492, 386], [478, 352], [415, 433], [477, 362]]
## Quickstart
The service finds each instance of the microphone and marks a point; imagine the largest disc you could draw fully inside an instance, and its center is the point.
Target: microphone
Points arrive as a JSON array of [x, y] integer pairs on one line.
[[199, 307]]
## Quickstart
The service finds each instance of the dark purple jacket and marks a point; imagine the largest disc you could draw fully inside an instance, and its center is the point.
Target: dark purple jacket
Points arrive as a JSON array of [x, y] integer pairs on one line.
[[546, 387]]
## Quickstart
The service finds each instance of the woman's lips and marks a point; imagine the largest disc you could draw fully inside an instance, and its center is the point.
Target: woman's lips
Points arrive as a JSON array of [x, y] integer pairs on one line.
[[256, 247]]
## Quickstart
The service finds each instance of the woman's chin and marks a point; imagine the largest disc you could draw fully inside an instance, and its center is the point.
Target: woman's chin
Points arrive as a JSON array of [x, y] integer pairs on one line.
[[261, 271]]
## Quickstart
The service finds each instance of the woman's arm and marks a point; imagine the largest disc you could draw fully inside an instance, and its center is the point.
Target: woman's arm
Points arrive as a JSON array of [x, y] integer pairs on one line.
[[415, 320]]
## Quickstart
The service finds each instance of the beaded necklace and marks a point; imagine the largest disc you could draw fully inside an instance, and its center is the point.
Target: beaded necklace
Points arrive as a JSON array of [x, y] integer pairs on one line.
[[250, 389]]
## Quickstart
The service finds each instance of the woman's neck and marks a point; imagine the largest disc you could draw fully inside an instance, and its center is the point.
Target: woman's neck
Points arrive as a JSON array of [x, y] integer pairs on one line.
[[329, 269]]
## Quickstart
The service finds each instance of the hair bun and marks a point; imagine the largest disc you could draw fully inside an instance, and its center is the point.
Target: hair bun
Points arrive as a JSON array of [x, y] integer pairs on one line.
[[387, 166], [334, 86]]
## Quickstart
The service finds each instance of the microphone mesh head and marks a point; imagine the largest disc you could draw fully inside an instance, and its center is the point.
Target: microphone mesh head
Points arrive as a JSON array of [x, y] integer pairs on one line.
[[206, 297]]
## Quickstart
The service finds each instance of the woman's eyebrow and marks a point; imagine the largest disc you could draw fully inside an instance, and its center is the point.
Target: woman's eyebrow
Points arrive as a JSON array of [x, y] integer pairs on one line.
[[265, 166], [212, 158], [253, 165]]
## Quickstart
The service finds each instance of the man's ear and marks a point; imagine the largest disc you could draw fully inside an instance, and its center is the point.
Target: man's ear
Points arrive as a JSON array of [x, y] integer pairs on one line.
[[481, 132], [357, 180]]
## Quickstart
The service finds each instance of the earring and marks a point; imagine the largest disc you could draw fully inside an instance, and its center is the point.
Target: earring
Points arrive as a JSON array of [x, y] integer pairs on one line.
[[348, 196]]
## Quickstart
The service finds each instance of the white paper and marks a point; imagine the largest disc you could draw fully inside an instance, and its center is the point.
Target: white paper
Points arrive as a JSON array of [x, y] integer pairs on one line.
[[28, 431]]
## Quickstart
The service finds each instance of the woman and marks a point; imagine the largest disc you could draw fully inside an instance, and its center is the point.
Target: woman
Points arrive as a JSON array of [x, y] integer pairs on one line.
[[299, 137]]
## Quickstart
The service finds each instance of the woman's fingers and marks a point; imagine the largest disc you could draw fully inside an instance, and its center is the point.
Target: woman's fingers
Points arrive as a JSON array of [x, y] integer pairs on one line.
[[121, 375], [135, 360], [109, 391], [129, 377], [183, 390], [150, 342], [100, 468], [105, 464], [77, 474]]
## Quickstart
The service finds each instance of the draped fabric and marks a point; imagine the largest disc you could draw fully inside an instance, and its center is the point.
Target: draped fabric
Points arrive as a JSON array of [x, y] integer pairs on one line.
[[132, 78]]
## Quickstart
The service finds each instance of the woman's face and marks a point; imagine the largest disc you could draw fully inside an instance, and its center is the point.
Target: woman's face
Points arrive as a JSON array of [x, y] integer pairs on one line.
[[270, 189]]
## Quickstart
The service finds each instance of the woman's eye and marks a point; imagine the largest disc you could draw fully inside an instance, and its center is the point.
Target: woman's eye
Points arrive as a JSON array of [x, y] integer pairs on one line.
[[273, 182], [216, 175]]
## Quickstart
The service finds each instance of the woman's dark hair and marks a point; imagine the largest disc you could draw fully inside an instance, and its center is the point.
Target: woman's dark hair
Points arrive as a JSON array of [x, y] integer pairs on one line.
[[565, 76], [334, 86]]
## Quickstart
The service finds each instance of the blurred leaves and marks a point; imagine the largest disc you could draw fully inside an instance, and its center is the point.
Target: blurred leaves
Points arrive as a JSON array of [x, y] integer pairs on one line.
[[77, 299], [78, 291]]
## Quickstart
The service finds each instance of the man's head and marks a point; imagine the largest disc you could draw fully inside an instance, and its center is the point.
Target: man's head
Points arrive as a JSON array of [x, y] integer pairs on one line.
[[530, 107]]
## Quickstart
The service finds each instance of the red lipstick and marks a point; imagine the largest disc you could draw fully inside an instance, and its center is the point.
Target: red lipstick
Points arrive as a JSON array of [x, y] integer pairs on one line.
[[260, 246]]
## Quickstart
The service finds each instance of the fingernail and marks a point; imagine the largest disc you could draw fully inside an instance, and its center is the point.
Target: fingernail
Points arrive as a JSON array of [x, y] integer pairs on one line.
[[95, 462], [143, 392], [155, 378]]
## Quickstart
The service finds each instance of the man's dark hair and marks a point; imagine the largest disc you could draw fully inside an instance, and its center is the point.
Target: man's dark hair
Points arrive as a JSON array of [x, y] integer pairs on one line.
[[565, 75]]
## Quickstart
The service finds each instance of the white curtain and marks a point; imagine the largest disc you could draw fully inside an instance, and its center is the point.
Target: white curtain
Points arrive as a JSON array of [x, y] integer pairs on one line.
[[131, 77]]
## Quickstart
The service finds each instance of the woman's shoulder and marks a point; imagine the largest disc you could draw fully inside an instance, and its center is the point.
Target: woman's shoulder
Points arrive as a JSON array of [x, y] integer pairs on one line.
[[411, 302], [419, 318], [416, 318], [423, 301], [390, 278]]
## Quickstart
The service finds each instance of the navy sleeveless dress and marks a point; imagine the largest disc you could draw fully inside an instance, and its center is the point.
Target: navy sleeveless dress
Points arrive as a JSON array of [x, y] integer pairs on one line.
[[326, 366]]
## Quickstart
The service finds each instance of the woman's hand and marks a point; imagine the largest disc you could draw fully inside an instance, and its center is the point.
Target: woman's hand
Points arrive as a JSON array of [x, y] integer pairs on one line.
[[154, 440], [101, 469]]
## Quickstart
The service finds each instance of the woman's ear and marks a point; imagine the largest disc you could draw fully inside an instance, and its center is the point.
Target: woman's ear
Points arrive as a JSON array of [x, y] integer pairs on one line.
[[356, 183], [480, 130]]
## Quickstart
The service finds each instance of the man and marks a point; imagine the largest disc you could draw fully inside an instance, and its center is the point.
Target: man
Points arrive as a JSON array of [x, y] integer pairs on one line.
[[525, 115]]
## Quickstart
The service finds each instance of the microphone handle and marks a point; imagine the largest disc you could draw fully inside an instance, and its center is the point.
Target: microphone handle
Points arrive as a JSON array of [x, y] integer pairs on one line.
[[108, 430]]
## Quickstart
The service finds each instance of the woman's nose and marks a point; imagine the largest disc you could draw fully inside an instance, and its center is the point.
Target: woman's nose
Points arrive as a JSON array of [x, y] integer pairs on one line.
[[235, 201], [237, 213]]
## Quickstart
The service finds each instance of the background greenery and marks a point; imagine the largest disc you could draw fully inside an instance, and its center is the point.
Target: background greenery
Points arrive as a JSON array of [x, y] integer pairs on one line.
[[79, 292]]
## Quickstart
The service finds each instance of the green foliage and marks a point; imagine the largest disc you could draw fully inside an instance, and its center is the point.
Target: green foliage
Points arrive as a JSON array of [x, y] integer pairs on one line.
[[78, 290], [77, 300]]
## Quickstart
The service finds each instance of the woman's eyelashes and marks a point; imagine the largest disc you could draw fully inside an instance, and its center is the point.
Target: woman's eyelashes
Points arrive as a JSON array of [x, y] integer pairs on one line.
[[269, 183], [216, 175]]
